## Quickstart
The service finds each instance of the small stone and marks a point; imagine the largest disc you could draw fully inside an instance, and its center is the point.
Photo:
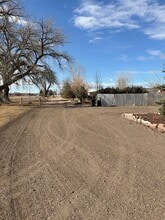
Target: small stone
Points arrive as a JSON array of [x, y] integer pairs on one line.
[[161, 127], [153, 126]]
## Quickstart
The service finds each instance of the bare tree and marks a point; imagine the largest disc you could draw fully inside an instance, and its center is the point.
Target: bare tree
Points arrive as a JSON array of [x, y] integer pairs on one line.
[[78, 85], [9, 9], [122, 81], [24, 47], [44, 78], [98, 82]]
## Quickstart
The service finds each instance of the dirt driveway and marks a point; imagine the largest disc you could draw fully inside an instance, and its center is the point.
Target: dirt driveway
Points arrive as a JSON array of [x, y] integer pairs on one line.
[[81, 163]]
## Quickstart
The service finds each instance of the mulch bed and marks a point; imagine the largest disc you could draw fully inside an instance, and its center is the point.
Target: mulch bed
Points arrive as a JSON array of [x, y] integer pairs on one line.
[[151, 117]]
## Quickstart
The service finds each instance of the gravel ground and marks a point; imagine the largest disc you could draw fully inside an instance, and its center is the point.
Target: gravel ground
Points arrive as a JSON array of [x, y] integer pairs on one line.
[[68, 162]]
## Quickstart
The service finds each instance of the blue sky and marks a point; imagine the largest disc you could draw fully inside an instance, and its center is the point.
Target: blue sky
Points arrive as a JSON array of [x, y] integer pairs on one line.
[[110, 36]]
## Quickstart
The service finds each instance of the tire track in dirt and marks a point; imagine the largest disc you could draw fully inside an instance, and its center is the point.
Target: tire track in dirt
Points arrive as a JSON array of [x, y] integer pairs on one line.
[[127, 165], [134, 158], [100, 179], [83, 163], [53, 165], [72, 158], [15, 147], [73, 148], [11, 138], [73, 164]]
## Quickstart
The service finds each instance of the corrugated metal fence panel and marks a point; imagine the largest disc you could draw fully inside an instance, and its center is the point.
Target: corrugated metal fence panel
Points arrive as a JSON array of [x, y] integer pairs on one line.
[[106, 99], [155, 97], [140, 99], [130, 99]]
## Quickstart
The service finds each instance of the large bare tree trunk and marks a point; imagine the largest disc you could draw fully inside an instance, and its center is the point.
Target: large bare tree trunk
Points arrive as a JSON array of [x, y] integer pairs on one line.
[[45, 92], [6, 94], [1, 94], [81, 100]]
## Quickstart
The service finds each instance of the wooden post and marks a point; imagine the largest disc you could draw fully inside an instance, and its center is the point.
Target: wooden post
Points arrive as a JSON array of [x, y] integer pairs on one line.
[[21, 101], [39, 100]]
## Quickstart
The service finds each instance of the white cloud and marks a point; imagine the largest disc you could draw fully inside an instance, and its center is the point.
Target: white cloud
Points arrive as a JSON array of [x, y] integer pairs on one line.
[[146, 15], [96, 16], [124, 57], [141, 58], [156, 31], [95, 39], [85, 22], [154, 52]]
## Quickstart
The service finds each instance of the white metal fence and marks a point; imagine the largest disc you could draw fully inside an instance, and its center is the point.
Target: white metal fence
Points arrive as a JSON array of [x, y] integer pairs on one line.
[[130, 99]]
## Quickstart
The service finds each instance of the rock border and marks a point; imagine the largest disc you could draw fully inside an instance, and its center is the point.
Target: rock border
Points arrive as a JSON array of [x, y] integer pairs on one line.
[[132, 117]]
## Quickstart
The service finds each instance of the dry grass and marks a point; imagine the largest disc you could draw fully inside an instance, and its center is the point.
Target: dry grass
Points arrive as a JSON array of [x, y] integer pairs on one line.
[[8, 113]]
